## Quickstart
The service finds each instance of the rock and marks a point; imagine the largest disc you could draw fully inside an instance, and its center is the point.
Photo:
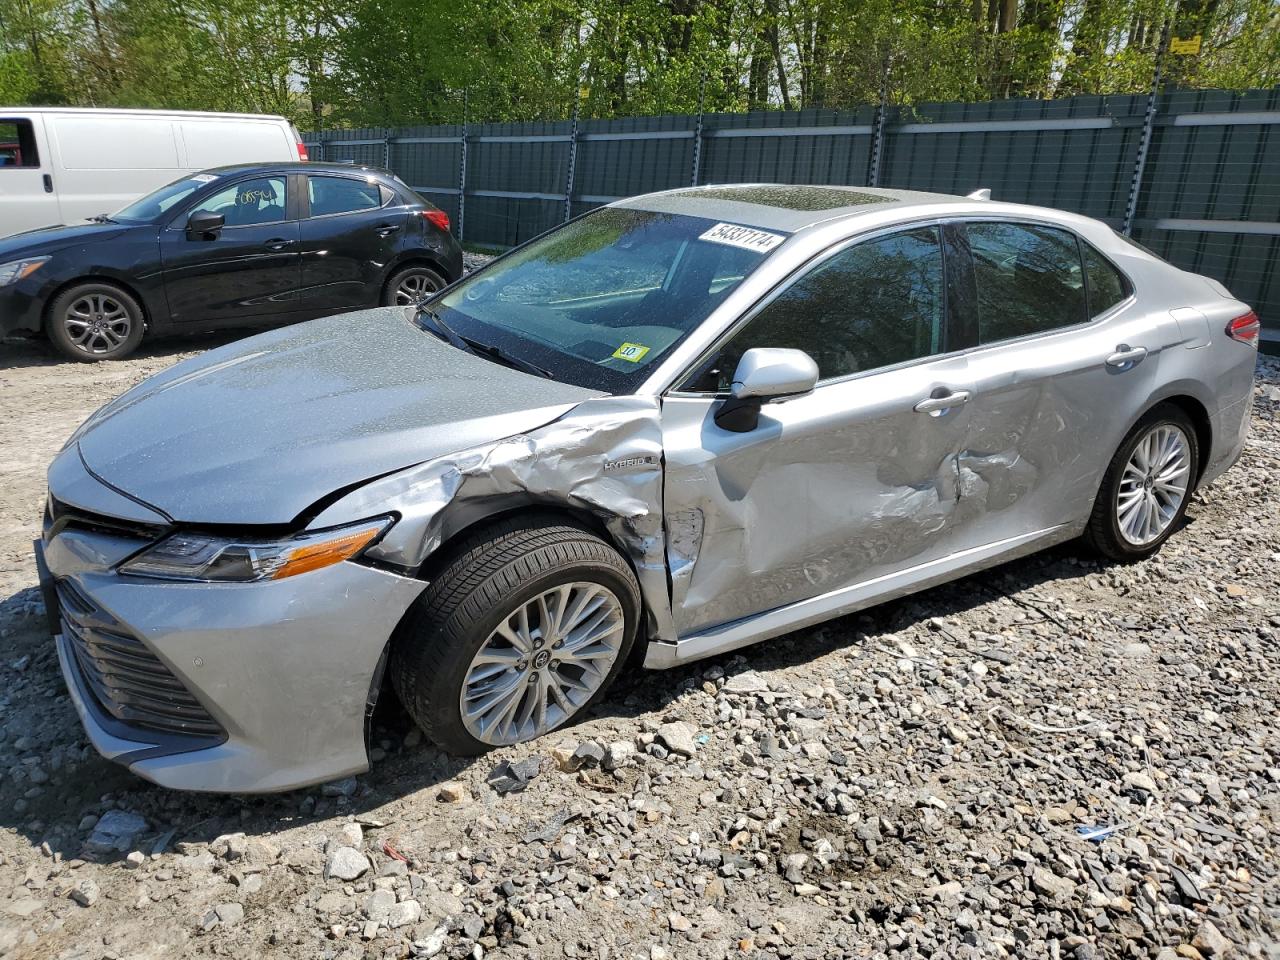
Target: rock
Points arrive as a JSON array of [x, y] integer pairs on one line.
[[793, 866], [115, 832], [229, 914], [508, 777], [1210, 941], [430, 946], [86, 893], [404, 913], [230, 846], [1049, 884], [807, 890], [340, 788], [24, 908], [1140, 780], [746, 682], [346, 863], [679, 923], [378, 906], [134, 860], [618, 754], [677, 737], [453, 792], [352, 835]]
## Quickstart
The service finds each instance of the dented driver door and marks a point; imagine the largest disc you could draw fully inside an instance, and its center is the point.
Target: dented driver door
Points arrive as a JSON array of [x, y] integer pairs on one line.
[[831, 490]]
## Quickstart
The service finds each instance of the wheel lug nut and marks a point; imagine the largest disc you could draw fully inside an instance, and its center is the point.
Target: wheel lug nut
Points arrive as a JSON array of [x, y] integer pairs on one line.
[[555, 664]]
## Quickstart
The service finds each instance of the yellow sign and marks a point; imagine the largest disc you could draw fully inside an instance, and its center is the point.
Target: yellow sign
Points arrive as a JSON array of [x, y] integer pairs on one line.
[[1185, 47], [631, 352]]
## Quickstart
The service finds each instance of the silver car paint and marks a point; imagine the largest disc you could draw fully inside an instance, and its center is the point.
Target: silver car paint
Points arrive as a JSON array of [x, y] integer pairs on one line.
[[336, 402], [841, 499]]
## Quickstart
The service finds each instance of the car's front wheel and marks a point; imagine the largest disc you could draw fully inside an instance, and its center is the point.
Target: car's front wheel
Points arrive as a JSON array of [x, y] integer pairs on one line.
[[409, 286], [95, 321], [523, 629], [1147, 486]]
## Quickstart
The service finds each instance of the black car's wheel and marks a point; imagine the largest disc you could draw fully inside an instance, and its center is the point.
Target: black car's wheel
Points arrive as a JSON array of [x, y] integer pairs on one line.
[[522, 631], [1147, 486], [411, 285], [95, 321]]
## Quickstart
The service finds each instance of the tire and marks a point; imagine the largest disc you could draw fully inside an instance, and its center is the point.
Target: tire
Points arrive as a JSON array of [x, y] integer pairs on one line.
[[1125, 536], [484, 584], [399, 290], [95, 321]]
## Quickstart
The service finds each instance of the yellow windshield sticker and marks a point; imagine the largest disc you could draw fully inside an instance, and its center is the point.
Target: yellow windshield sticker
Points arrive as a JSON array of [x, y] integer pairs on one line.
[[631, 352]]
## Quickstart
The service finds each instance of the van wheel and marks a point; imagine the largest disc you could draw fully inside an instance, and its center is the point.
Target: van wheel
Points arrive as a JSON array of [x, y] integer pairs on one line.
[[95, 321], [525, 627], [410, 286], [1147, 486]]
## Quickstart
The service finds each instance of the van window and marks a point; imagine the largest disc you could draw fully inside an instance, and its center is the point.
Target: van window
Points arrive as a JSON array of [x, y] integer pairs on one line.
[[18, 144], [136, 143]]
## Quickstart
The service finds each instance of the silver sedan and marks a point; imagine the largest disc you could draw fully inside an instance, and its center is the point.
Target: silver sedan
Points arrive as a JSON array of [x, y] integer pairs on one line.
[[681, 424]]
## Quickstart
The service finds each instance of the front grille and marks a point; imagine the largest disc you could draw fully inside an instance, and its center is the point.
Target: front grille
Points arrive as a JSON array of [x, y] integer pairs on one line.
[[124, 677]]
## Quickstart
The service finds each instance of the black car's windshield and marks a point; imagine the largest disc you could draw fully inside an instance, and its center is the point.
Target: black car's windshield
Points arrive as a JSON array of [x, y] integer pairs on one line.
[[159, 202], [601, 301]]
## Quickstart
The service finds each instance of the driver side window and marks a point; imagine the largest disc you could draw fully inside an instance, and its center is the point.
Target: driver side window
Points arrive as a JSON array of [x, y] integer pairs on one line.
[[871, 305], [249, 202]]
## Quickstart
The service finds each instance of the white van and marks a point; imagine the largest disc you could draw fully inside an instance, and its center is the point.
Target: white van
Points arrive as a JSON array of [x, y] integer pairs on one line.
[[67, 164]]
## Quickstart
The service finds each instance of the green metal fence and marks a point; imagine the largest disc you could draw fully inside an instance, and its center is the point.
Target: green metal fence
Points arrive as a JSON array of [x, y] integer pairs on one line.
[[1194, 175]]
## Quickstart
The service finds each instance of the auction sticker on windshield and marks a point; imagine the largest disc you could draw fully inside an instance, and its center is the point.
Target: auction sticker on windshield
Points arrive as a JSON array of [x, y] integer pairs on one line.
[[633, 352], [745, 237]]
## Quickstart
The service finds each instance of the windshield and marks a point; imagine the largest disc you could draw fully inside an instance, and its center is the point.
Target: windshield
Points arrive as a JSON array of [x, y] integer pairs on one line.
[[156, 204], [601, 301]]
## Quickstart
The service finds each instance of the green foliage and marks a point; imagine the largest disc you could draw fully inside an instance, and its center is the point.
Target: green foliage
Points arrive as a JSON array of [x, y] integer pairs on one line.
[[400, 62]]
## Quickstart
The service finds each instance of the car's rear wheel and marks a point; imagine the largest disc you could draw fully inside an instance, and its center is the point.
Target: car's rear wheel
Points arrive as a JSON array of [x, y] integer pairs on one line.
[[95, 321], [1147, 486], [524, 628], [411, 285]]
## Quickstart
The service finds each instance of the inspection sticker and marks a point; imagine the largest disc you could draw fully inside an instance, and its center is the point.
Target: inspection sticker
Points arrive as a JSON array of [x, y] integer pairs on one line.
[[205, 177], [631, 352], [745, 237]]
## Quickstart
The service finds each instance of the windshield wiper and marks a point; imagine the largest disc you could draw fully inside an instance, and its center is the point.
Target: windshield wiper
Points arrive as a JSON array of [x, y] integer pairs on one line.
[[509, 359], [431, 322], [101, 218]]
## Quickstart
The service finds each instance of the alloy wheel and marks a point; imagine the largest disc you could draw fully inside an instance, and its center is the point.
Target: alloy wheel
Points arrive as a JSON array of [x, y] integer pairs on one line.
[[97, 323], [1153, 484], [413, 288], [542, 663]]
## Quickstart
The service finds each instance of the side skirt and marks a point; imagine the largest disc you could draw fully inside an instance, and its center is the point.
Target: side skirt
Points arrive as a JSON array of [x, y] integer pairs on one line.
[[805, 613]]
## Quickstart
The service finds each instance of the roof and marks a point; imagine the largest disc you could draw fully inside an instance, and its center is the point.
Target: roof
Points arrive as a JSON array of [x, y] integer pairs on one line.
[[301, 166], [145, 112], [782, 206]]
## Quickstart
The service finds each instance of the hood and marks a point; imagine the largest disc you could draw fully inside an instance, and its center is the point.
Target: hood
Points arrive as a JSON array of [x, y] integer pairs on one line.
[[259, 430], [35, 243]]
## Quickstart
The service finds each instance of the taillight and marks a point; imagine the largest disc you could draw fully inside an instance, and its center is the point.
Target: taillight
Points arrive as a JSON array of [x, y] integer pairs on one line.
[[437, 218], [302, 151], [1246, 328]]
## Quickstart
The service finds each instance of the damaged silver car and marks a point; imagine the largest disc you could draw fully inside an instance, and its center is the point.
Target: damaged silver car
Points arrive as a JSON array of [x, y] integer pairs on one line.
[[683, 423]]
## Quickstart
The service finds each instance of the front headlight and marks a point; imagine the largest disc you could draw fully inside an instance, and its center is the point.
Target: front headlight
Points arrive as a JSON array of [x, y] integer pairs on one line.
[[15, 270], [200, 557]]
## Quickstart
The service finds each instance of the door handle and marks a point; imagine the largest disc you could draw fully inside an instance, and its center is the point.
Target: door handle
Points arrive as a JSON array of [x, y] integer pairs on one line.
[[387, 229], [1126, 355], [280, 243], [937, 404], [48, 183]]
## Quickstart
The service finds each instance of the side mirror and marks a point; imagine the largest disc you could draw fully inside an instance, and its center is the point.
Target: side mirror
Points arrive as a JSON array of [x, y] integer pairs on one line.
[[765, 374], [203, 225]]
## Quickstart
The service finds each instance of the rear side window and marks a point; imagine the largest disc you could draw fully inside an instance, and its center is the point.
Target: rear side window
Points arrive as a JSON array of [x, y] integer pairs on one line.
[[1107, 286], [18, 144], [871, 305], [339, 195], [1029, 280]]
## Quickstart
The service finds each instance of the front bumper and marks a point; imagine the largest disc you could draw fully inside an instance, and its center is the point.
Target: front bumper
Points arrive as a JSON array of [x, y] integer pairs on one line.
[[21, 306], [284, 667]]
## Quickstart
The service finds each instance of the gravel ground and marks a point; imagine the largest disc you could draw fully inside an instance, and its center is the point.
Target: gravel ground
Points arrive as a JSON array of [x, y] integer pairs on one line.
[[1056, 758]]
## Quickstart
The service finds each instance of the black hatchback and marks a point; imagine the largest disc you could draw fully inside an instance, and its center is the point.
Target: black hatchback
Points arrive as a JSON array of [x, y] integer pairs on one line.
[[249, 245]]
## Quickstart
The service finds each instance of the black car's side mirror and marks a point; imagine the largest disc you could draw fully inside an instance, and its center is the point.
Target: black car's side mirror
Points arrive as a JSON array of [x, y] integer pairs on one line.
[[765, 374], [203, 225]]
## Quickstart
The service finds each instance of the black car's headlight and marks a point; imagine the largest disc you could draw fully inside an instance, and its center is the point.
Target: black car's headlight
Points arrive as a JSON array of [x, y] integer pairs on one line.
[[206, 558], [16, 270]]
